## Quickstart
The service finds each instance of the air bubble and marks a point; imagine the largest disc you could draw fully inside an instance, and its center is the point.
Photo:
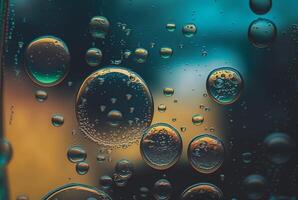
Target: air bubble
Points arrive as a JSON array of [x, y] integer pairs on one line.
[[41, 95], [5, 152], [76, 154], [202, 191], [165, 52], [189, 30], [162, 189], [93, 57], [82, 168], [57, 120], [197, 119], [99, 27], [260, 7]]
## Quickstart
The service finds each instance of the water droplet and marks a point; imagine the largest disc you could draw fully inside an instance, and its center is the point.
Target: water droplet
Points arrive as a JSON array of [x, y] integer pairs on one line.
[[144, 192], [106, 182], [47, 60], [100, 158], [224, 85], [162, 189], [254, 186], [171, 27], [22, 197], [93, 57], [168, 92], [57, 120], [141, 55], [124, 168], [113, 124], [202, 191], [246, 157], [5, 152], [99, 27], [77, 191], [260, 7], [279, 147], [189, 30], [262, 33], [166, 52], [82, 168], [161, 146], [162, 108], [41, 95], [197, 119], [206, 153], [76, 154]]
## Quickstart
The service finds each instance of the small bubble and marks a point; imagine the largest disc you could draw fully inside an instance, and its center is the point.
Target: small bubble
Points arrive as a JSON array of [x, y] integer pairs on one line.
[[166, 52], [93, 57], [124, 168], [22, 197], [82, 168], [141, 55], [260, 7], [106, 182], [168, 92], [171, 27], [57, 120], [162, 189], [41, 95], [76, 154], [162, 108], [99, 27], [197, 119], [189, 30]]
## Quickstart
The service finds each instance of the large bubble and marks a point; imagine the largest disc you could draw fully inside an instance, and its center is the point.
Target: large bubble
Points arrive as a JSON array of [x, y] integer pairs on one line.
[[161, 146], [224, 85], [113, 106], [202, 191], [206, 153], [262, 33], [47, 60], [77, 191]]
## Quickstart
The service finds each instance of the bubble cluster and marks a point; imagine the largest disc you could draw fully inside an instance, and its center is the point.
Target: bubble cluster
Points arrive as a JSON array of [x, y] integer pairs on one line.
[[113, 106], [41, 95], [5, 152], [262, 33], [77, 191], [279, 147], [254, 187], [202, 191], [99, 27], [165, 52], [47, 60], [260, 7], [189, 30], [57, 120], [224, 85], [141, 55], [93, 57], [206, 153], [161, 146], [76, 154], [162, 189]]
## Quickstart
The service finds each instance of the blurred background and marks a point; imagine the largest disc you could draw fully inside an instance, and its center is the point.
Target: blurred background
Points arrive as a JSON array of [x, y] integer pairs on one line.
[[268, 102]]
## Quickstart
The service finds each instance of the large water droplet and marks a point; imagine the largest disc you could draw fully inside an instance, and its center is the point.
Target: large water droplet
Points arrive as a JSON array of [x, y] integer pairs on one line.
[[161, 146], [47, 60], [202, 191], [206, 153], [99, 27], [106, 114], [262, 33], [224, 85]]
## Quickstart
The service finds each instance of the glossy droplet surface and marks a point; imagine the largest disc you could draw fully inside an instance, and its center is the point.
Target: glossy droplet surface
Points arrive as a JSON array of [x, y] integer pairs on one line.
[[47, 60], [93, 57], [224, 85], [165, 52], [202, 191], [260, 7], [141, 55], [99, 27], [171, 27], [262, 33], [206, 153], [124, 168], [41, 95], [162, 189], [57, 120], [5, 152], [82, 168], [76, 154], [161, 146], [189, 30], [76, 191], [162, 108], [113, 106]]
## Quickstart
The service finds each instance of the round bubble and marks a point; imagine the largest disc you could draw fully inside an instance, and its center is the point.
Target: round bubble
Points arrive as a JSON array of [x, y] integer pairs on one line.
[[41, 95], [99, 27], [206, 153], [141, 55], [161, 146], [189, 30], [106, 182], [124, 168], [93, 57], [254, 187], [168, 92], [224, 85], [197, 119], [76, 191], [76, 154], [166, 52], [279, 147], [262, 33], [82, 168], [162, 189], [171, 27], [113, 106], [162, 108], [22, 197], [5, 152], [260, 6], [47, 60], [57, 120], [202, 191]]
